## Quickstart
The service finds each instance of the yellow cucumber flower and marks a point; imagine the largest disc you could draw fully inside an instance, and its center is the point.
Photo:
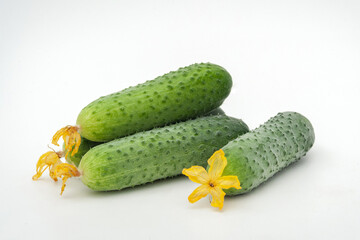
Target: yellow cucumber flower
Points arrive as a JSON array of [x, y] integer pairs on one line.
[[65, 171], [211, 182], [49, 160], [71, 137]]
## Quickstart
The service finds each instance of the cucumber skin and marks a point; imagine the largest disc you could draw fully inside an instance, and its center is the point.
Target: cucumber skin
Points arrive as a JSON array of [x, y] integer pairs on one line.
[[179, 95], [158, 153], [86, 144], [257, 155]]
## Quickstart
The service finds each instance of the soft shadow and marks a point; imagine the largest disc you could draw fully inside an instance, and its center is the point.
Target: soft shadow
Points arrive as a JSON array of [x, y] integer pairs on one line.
[[148, 186]]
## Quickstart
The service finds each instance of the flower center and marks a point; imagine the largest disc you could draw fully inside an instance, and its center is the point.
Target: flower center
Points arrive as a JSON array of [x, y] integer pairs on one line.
[[211, 185]]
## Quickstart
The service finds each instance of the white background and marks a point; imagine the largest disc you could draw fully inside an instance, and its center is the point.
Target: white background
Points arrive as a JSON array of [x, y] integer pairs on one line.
[[304, 56]]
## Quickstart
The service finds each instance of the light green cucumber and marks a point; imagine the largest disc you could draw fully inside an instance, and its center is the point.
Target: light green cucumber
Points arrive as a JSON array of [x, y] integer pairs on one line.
[[176, 96], [159, 153], [86, 144], [257, 155]]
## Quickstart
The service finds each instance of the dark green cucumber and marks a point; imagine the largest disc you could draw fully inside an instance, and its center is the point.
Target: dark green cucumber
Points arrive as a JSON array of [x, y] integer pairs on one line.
[[86, 144], [256, 156], [158, 153], [179, 95]]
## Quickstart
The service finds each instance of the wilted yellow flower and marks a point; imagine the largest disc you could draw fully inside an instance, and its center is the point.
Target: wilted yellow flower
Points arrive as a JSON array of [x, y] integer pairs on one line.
[[71, 137], [48, 160], [65, 171]]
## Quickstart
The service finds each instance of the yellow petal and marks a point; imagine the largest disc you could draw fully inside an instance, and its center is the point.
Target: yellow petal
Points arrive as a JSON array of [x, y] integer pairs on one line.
[[217, 164], [47, 160], [52, 170], [65, 171], [217, 197], [227, 182], [77, 144], [61, 132], [198, 193], [71, 137], [197, 174]]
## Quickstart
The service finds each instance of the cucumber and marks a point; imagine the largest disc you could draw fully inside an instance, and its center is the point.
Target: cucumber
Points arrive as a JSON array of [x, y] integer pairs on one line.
[[257, 155], [176, 96], [86, 144], [159, 153]]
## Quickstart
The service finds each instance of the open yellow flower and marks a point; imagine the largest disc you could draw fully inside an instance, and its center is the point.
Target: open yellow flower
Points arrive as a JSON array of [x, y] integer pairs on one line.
[[211, 182]]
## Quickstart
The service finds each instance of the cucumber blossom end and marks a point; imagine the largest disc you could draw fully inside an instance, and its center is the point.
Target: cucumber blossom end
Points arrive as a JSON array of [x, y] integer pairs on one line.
[[212, 182]]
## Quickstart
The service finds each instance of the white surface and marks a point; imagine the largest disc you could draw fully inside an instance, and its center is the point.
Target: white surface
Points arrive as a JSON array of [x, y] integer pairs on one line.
[[57, 56]]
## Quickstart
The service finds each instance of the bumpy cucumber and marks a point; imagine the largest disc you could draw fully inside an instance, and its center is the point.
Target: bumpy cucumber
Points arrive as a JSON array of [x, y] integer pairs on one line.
[[256, 156], [158, 153], [179, 95], [86, 144]]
